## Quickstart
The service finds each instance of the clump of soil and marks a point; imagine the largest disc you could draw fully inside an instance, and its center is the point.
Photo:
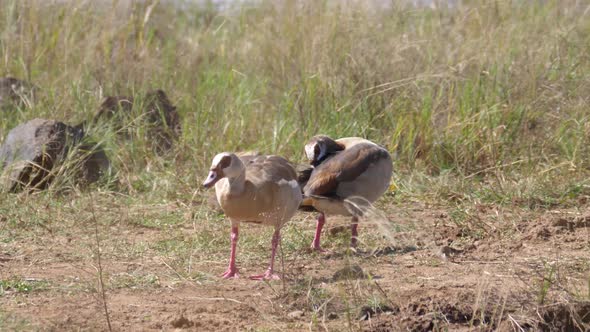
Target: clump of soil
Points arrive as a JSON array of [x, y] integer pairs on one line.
[[367, 312], [34, 151], [350, 272], [182, 322], [14, 91], [566, 317], [156, 112]]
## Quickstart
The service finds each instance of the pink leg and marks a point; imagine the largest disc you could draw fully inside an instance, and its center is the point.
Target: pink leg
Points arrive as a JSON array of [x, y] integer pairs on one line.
[[354, 231], [232, 271], [269, 275], [318, 233]]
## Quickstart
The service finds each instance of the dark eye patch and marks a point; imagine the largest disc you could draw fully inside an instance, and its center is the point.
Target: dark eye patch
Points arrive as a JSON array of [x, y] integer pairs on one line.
[[316, 150], [224, 162]]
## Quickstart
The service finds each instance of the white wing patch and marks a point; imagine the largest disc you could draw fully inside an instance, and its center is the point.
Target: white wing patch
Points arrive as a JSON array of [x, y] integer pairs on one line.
[[310, 151], [293, 183]]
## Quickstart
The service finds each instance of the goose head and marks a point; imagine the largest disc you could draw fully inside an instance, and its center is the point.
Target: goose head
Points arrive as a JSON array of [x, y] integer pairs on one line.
[[224, 165], [321, 147]]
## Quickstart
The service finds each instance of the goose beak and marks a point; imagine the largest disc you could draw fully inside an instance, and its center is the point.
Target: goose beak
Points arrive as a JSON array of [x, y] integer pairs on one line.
[[212, 178]]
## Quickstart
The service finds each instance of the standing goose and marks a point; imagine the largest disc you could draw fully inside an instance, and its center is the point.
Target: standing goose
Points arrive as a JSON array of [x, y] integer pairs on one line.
[[259, 189], [245, 157], [347, 169]]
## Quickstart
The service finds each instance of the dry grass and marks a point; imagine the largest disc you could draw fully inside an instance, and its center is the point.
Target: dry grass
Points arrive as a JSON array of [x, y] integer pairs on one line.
[[484, 103]]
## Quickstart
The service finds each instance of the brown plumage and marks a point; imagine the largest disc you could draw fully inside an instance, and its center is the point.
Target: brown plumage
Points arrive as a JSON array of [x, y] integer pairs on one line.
[[320, 148], [346, 169], [254, 188], [343, 167]]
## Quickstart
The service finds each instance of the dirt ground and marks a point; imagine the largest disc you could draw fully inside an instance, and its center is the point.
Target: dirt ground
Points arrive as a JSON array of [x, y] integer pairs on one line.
[[480, 267]]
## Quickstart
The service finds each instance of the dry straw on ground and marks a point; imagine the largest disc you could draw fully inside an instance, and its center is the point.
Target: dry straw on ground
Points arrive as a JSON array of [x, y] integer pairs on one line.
[[485, 106]]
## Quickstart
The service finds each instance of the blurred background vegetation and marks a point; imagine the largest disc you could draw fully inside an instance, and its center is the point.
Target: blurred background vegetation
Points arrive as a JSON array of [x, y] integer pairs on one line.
[[481, 100]]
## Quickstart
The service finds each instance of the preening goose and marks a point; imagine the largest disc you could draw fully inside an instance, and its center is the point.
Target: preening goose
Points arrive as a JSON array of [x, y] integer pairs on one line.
[[346, 169], [259, 189]]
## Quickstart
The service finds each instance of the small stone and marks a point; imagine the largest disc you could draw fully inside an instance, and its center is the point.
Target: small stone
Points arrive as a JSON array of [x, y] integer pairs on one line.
[[182, 322], [295, 314], [445, 252], [365, 313], [338, 230], [350, 272]]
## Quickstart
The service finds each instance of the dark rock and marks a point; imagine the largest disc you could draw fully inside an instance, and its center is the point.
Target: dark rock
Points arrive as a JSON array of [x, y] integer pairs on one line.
[[15, 92], [114, 107], [94, 162], [391, 250], [339, 230], [350, 272], [332, 315], [366, 312], [573, 316], [182, 322], [445, 252], [155, 111], [34, 152]]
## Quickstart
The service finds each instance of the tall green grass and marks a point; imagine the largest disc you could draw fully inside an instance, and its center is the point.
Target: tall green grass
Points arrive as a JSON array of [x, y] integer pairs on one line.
[[465, 93]]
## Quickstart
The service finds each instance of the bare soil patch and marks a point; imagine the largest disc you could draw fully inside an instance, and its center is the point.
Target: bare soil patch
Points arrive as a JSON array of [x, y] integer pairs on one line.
[[495, 268]]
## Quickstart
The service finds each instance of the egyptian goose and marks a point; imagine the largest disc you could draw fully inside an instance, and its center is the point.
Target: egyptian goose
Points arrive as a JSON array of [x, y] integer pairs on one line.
[[259, 189], [245, 157], [348, 172]]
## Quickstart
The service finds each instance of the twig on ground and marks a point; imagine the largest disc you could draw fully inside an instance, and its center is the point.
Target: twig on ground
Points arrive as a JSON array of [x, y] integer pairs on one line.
[[99, 261]]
